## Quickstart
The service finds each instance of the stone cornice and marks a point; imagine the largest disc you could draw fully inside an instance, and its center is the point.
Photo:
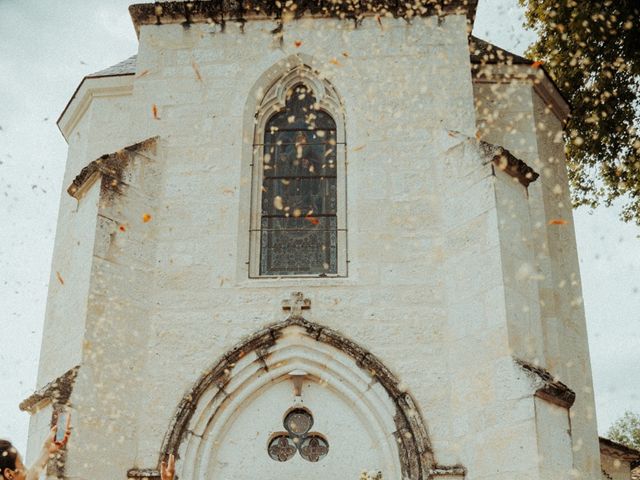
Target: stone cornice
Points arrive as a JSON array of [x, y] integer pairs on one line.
[[505, 161], [436, 472], [111, 165], [143, 473], [57, 391], [89, 88], [446, 471], [219, 11], [549, 388]]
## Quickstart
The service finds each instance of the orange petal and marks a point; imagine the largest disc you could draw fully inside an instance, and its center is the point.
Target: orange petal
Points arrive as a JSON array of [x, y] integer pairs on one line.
[[297, 43], [334, 61], [146, 218], [197, 70], [536, 64], [558, 221], [122, 228], [154, 110]]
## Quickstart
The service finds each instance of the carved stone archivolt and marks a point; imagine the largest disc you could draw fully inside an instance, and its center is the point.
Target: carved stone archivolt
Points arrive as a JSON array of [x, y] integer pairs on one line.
[[414, 455]]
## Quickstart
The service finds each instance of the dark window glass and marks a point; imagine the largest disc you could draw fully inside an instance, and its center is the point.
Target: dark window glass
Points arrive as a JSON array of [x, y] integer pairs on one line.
[[299, 229]]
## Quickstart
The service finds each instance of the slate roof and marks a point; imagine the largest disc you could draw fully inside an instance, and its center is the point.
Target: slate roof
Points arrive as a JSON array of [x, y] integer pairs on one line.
[[126, 67], [485, 52]]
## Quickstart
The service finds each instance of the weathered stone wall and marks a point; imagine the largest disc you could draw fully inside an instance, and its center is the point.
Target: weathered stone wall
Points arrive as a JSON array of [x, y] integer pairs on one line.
[[435, 245], [614, 469], [515, 116]]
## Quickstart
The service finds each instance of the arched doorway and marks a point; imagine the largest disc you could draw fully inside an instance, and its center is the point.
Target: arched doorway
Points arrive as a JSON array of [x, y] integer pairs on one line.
[[298, 400]]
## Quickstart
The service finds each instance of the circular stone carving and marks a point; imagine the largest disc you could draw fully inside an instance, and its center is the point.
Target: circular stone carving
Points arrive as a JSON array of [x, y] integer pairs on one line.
[[314, 448], [282, 448], [298, 421]]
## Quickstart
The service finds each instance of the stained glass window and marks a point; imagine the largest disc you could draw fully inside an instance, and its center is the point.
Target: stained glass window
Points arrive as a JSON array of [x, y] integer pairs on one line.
[[298, 224]]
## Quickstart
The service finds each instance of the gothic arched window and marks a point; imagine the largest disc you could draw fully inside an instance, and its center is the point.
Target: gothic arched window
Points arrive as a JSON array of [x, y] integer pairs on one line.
[[300, 229]]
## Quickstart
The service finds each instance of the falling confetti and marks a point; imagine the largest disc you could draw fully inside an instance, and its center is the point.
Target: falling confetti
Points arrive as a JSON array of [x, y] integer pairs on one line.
[[146, 218], [358, 148], [297, 43], [154, 110], [558, 221], [122, 228], [537, 64], [142, 73], [277, 202], [194, 65], [60, 279]]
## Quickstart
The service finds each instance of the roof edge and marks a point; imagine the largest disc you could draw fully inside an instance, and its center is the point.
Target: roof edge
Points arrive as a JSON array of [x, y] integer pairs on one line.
[[626, 453], [219, 11], [485, 56], [90, 87]]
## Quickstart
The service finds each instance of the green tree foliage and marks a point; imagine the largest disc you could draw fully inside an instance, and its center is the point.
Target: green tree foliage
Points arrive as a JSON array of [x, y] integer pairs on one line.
[[626, 430], [591, 48]]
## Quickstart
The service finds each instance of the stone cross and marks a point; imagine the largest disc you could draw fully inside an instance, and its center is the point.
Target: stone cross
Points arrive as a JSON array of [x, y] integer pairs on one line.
[[295, 304]]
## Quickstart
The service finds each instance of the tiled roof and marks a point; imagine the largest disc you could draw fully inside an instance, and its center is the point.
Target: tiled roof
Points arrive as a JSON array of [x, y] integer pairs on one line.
[[126, 67]]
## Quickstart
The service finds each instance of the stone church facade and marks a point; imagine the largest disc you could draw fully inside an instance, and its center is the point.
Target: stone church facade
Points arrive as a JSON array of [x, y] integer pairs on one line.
[[317, 240]]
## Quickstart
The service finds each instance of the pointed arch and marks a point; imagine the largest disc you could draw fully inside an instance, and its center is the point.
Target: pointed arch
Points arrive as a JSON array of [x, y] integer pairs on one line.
[[268, 357], [311, 224]]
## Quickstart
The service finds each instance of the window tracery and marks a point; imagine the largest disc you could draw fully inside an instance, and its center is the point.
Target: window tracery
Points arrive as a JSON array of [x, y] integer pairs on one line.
[[312, 446], [299, 205], [298, 225]]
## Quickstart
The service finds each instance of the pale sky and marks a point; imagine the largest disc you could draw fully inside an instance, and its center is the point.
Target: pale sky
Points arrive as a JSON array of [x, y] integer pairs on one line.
[[45, 50]]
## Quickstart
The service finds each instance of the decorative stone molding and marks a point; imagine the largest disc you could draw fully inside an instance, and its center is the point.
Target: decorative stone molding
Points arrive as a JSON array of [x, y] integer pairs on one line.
[[134, 473], [548, 387], [110, 167], [504, 160], [92, 87], [219, 385], [449, 473], [219, 11], [57, 392], [271, 96]]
